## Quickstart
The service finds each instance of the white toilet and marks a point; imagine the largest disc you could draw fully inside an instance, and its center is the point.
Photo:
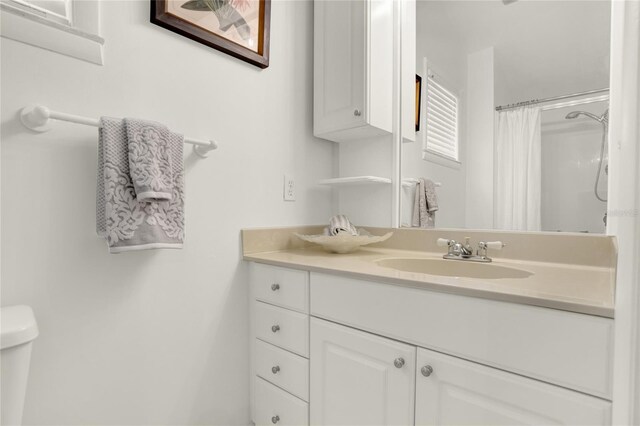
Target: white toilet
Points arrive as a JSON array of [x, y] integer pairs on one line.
[[18, 328]]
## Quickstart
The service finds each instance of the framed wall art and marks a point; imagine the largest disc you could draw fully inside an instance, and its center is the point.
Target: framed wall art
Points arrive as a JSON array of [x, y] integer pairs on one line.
[[239, 28], [418, 100]]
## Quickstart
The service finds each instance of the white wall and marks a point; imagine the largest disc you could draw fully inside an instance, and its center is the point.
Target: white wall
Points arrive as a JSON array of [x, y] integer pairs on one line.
[[369, 204], [155, 337], [480, 146]]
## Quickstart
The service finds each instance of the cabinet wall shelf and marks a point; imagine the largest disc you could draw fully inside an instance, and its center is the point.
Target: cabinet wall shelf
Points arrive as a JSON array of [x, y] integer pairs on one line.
[[355, 180]]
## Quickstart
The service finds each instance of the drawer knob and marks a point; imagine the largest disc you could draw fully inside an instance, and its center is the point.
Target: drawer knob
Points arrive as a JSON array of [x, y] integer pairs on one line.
[[275, 287], [275, 328], [398, 362], [426, 370], [275, 369], [275, 419], [357, 113]]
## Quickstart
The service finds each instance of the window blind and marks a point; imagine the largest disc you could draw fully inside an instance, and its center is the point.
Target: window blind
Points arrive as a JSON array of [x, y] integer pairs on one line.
[[441, 120]]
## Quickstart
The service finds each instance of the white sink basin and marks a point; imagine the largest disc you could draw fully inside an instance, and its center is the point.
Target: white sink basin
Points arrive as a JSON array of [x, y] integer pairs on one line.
[[454, 268]]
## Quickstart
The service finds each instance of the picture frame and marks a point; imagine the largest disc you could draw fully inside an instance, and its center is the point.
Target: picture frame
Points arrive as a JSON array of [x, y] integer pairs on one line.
[[239, 28], [418, 100]]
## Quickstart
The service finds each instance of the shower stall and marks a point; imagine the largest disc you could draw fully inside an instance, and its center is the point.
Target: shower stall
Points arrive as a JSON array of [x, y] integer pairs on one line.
[[574, 168], [551, 162]]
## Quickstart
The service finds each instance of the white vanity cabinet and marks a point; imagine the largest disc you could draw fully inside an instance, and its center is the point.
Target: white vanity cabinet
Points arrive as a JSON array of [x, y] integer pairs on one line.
[[353, 69], [352, 351], [359, 378]]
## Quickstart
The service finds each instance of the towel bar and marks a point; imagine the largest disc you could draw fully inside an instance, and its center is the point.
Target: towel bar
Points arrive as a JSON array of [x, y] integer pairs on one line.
[[413, 181], [37, 118]]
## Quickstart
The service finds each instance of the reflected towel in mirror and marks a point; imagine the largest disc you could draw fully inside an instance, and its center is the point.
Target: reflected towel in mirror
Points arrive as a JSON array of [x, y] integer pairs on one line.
[[425, 204]]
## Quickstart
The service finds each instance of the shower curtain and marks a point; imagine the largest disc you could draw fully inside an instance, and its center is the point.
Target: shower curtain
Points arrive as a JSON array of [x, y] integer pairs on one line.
[[518, 169]]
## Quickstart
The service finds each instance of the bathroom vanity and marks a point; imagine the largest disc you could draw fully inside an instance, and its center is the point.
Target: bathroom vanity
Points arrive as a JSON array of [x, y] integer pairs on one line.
[[342, 339]]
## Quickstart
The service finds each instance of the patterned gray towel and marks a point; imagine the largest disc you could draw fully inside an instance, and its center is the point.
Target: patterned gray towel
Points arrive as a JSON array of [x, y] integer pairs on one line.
[[149, 159], [126, 223], [423, 217], [431, 196]]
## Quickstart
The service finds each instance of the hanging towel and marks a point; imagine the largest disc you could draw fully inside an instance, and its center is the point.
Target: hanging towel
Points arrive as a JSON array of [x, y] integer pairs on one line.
[[340, 223], [149, 159], [431, 196], [126, 223], [425, 204]]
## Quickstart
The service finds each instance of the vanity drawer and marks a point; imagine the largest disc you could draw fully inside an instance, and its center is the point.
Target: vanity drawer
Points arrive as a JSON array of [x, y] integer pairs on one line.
[[280, 286], [275, 406], [565, 348], [282, 327], [282, 368]]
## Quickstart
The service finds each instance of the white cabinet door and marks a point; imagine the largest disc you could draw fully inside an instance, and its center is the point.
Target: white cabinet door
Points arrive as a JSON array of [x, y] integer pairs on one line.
[[353, 69], [357, 378], [339, 65], [452, 391]]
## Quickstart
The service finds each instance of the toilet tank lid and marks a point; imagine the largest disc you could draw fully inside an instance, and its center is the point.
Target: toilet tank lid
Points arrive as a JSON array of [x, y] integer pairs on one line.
[[17, 326]]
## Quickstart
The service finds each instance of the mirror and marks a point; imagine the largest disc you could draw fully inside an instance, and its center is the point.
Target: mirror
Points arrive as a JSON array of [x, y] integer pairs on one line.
[[513, 116]]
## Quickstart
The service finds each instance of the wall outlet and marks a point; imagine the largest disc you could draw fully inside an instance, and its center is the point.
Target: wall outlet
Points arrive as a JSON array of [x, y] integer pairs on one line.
[[289, 188]]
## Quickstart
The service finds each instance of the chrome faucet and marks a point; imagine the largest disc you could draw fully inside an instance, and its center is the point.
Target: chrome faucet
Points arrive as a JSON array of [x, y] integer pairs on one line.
[[459, 251]]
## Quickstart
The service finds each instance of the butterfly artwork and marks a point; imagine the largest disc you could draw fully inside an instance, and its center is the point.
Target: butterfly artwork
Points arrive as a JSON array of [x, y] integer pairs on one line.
[[227, 12], [239, 28]]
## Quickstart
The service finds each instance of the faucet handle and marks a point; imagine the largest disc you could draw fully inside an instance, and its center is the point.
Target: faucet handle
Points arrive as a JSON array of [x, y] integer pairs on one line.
[[450, 244], [495, 245], [483, 246], [443, 242]]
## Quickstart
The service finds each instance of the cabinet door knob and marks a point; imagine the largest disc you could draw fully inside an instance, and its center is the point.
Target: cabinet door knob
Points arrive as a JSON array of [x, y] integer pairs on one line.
[[275, 328], [275, 287], [426, 370], [357, 113], [398, 362], [275, 369], [275, 419]]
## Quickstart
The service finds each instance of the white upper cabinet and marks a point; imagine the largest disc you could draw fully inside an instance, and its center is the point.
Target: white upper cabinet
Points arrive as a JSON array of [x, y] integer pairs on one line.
[[452, 391], [353, 69], [359, 378]]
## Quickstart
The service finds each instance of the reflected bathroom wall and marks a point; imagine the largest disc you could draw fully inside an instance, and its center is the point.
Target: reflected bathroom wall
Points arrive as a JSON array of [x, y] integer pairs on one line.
[[570, 159]]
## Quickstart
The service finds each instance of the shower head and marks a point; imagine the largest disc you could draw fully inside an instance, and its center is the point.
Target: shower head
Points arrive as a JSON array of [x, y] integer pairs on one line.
[[572, 115], [602, 119]]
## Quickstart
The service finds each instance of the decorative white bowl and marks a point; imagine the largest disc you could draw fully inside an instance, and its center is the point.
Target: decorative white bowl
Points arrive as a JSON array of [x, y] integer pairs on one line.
[[344, 243]]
